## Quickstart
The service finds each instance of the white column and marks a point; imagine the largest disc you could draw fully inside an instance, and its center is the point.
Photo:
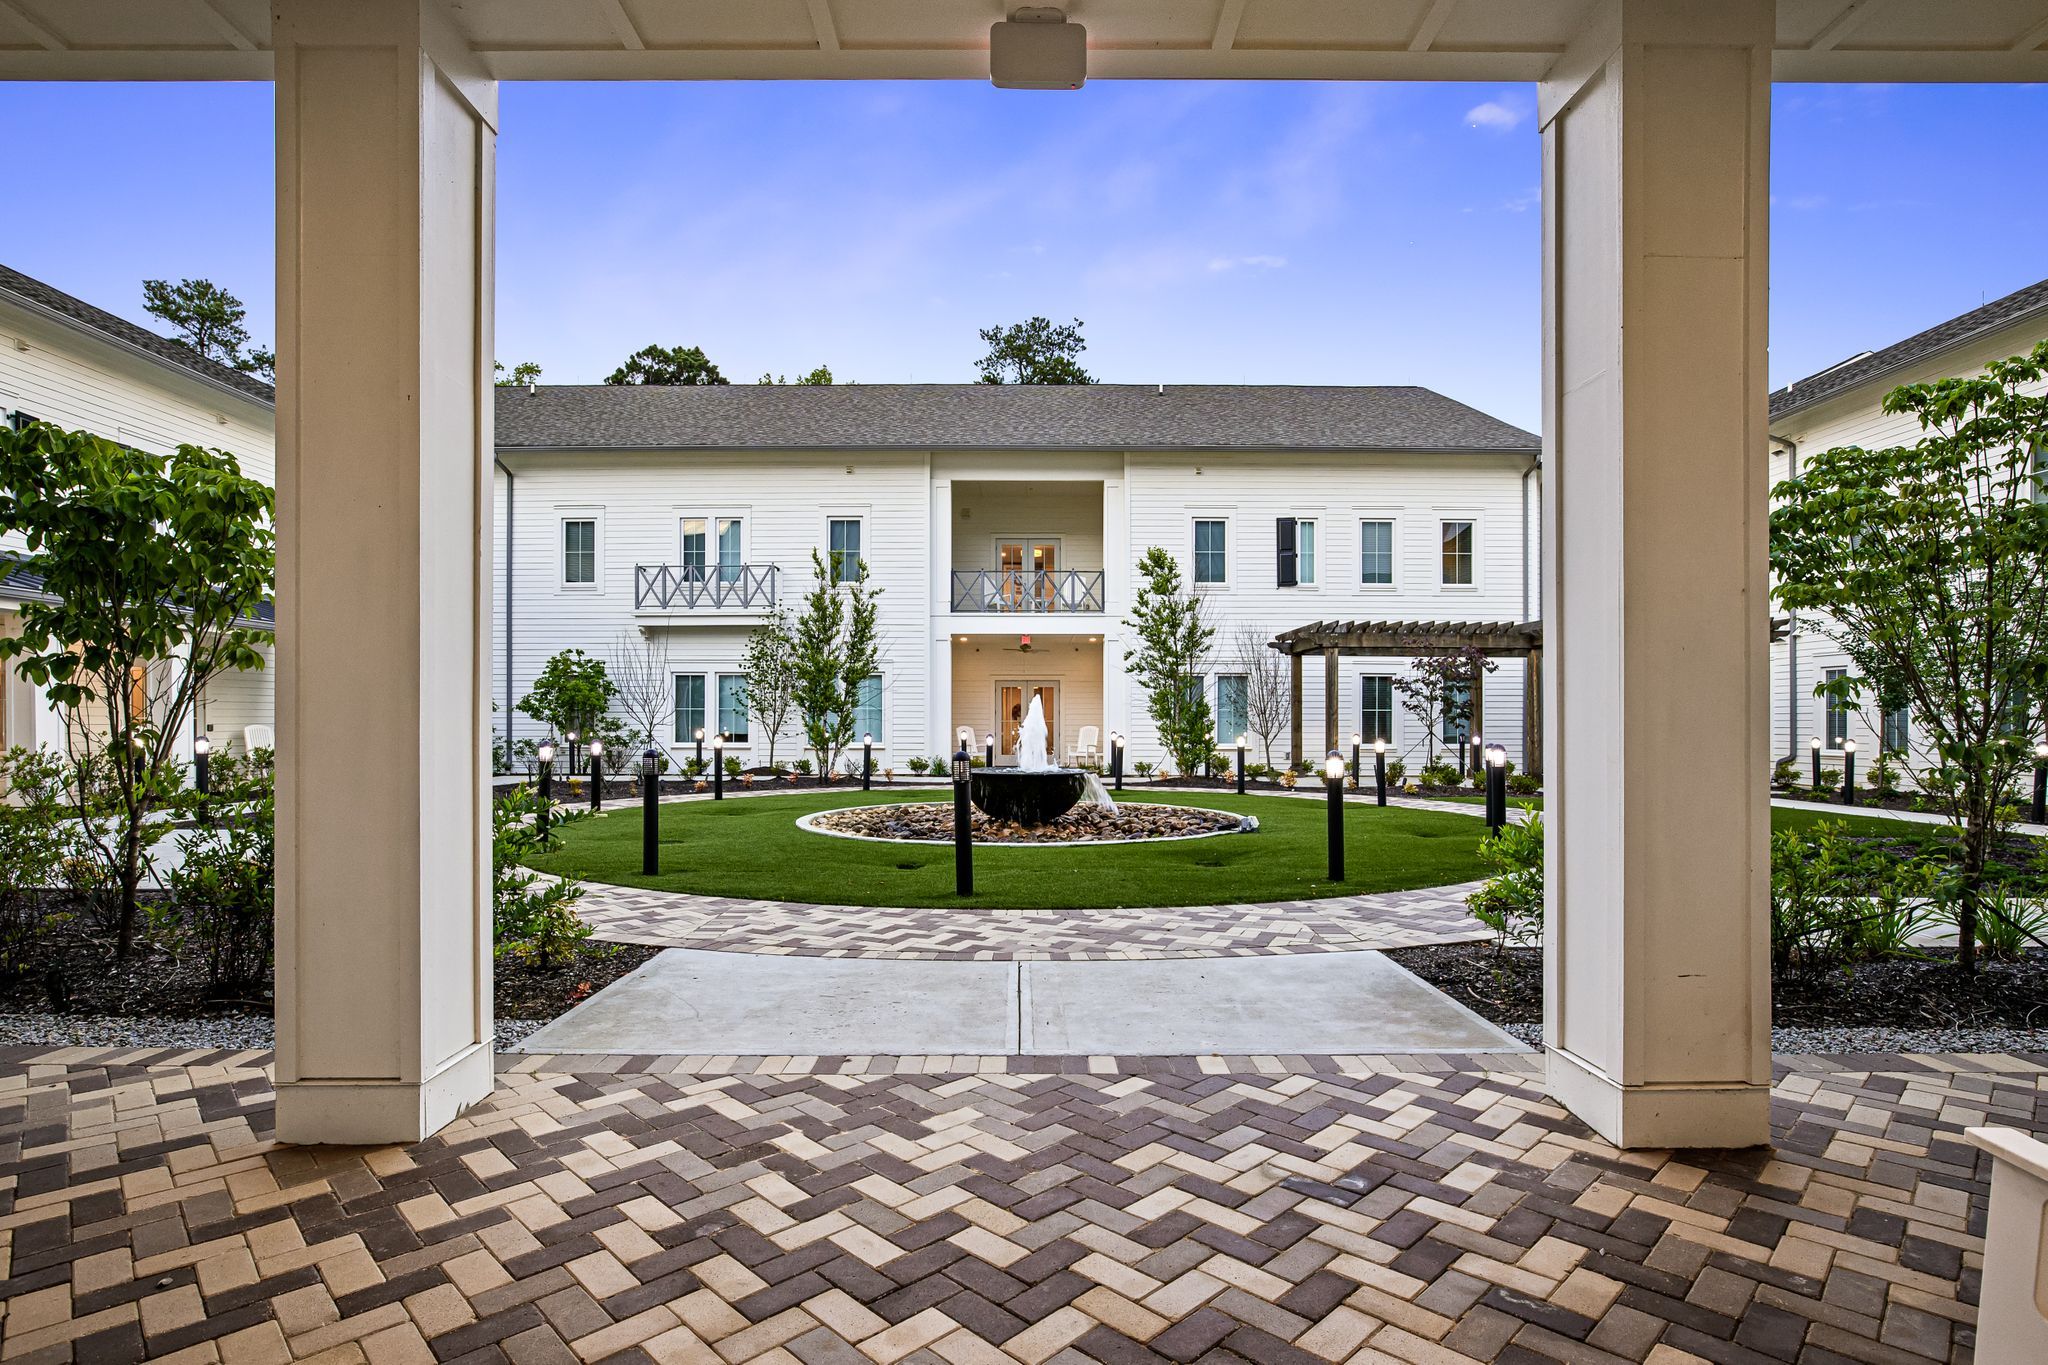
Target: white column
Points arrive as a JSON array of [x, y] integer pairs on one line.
[[385, 137], [1655, 142]]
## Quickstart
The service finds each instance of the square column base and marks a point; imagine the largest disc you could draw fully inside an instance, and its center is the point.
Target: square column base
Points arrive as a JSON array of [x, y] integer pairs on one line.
[[378, 1113], [1665, 1115]]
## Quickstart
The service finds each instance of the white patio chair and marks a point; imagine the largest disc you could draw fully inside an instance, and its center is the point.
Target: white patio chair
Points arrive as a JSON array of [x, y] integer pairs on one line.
[[1087, 747], [256, 737]]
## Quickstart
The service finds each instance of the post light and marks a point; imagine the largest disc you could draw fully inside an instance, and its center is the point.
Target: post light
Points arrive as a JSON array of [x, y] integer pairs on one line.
[[963, 823], [1357, 773], [597, 774], [571, 737], [1848, 772], [201, 748], [1116, 758], [700, 748], [2040, 811], [1496, 787], [546, 754], [1816, 763], [718, 766], [650, 813], [989, 740], [1333, 782], [867, 763], [1478, 753], [1240, 765], [1379, 770]]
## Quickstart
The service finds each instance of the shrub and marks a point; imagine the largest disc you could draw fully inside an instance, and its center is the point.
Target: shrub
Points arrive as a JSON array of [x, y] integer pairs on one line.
[[733, 767], [1397, 772], [1524, 784], [33, 842], [1511, 902], [224, 896], [919, 765], [531, 920], [1883, 777], [1143, 767], [1476, 779], [941, 765], [1438, 774], [802, 767]]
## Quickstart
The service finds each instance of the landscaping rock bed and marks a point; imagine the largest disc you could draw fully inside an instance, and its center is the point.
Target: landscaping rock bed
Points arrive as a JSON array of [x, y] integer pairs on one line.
[[932, 821]]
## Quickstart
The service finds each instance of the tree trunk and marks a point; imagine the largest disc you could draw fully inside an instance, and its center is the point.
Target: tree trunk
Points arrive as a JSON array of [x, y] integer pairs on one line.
[[1975, 851], [131, 877]]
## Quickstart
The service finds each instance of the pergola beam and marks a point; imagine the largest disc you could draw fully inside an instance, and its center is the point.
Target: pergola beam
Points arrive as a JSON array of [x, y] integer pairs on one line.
[[1412, 639]]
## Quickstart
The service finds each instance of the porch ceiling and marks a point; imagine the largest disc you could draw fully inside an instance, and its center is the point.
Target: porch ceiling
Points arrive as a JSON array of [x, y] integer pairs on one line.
[[1817, 40]]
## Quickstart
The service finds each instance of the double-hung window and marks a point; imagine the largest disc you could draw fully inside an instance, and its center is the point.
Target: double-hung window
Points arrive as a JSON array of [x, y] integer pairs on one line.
[[1212, 558], [579, 552], [867, 716], [732, 707], [1898, 724], [1296, 540], [1457, 721], [731, 546], [1457, 553], [694, 546], [1837, 712], [844, 544], [1233, 707], [1376, 554], [690, 708], [1376, 708]]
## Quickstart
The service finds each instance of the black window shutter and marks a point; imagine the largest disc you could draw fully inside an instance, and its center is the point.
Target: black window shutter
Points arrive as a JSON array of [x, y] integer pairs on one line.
[[1289, 553]]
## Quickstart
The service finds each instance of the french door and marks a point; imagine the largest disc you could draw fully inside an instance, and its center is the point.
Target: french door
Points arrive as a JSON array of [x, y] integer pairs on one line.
[[1027, 567], [1013, 700]]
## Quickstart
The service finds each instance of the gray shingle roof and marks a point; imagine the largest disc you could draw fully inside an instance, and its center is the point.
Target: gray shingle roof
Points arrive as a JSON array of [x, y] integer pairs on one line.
[[39, 297], [19, 583], [997, 417], [2015, 307]]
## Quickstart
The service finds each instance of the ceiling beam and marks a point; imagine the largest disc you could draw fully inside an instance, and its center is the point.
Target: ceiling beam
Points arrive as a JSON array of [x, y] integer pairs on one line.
[[2033, 38], [822, 24], [1228, 17], [621, 24], [1433, 21], [1852, 17], [45, 38], [209, 14]]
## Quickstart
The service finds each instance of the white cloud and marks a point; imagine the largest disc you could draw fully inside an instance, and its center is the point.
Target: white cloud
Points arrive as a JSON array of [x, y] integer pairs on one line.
[[1498, 116]]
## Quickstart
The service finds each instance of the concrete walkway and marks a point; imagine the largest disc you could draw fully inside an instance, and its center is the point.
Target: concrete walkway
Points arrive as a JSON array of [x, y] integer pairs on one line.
[[720, 1004]]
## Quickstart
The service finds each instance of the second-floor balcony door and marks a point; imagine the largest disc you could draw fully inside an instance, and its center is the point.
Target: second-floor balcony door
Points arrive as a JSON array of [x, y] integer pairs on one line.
[[713, 547], [1027, 573]]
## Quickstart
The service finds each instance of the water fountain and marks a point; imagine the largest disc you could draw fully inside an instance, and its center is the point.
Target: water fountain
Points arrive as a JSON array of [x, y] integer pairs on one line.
[[1036, 791]]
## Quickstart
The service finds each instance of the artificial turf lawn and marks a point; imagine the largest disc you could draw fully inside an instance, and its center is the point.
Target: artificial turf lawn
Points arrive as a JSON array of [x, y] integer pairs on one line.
[[1782, 818], [750, 847]]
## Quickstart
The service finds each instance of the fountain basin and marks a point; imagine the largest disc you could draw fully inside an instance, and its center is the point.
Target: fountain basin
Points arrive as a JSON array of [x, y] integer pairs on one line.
[[1026, 797]]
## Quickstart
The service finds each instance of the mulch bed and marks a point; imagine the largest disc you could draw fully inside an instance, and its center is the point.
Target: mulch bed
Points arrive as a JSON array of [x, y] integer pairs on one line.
[[934, 820], [1922, 992], [74, 971]]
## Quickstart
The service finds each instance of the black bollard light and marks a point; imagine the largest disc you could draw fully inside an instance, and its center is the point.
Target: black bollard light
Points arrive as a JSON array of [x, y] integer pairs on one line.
[[1240, 765], [650, 813], [989, 742], [867, 763], [963, 824], [1848, 772], [1496, 788], [597, 774], [1333, 781], [2040, 812], [1379, 770], [1816, 767], [718, 766], [700, 748], [546, 754], [1357, 773], [571, 737], [202, 748], [1116, 758]]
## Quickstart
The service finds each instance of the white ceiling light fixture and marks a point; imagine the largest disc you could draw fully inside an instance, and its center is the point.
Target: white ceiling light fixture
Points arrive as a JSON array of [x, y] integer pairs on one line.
[[1037, 49]]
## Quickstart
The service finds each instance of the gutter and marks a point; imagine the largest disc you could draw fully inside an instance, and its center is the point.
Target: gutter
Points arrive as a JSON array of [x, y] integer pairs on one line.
[[1791, 390], [72, 324], [1535, 467]]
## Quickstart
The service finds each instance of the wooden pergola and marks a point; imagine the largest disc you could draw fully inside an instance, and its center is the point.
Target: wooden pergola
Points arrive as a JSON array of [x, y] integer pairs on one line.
[[1418, 640]]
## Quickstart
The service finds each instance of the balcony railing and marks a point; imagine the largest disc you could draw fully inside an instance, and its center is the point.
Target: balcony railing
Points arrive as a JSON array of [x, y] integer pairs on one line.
[[693, 587], [1027, 591]]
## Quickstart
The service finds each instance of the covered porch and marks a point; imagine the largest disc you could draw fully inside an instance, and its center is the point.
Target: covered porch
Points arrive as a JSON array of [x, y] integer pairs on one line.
[[996, 677]]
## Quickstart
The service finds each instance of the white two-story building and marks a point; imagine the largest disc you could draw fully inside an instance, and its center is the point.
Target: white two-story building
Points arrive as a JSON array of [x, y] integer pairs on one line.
[[1002, 525]]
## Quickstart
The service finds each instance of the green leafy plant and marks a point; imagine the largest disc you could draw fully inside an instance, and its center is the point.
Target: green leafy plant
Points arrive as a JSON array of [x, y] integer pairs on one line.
[[802, 767], [1397, 772], [1144, 767], [769, 674], [1034, 352], [1524, 784], [733, 767], [1785, 773], [836, 652], [1511, 901], [532, 920], [33, 843], [1168, 620], [571, 693], [224, 893]]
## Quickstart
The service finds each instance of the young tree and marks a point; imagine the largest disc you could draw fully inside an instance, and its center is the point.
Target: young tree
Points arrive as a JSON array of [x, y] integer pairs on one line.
[[667, 365], [1034, 352], [1173, 637], [520, 375], [572, 692], [208, 318], [1268, 690], [1928, 565], [639, 670], [769, 675], [835, 652], [1438, 691], [157, 566]]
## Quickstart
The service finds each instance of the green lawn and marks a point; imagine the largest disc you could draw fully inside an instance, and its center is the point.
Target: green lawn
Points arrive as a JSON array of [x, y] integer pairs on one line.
[[751, 847], [1782, 817]]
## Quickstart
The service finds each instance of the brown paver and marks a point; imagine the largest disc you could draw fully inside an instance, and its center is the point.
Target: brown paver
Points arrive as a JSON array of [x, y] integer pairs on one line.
[[1410, 1209]]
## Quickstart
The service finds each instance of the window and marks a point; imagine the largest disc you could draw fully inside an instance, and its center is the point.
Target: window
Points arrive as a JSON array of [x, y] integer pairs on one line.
[[693, 549], [1898, 723], [1212, 561], [730, 542], [867, 717], [1376, 553], [844, 535], [689, 707], [579, 552], [21, 421], [1295, 538], [1457, 553], [732, 706], [1457, 718], [1376, 708], [1233, 710], [2040, 468], [1305, 561], [1837, 712]]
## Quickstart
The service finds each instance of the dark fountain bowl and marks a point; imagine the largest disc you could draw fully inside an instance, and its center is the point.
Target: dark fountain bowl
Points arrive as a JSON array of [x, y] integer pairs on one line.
[[1026, 798]]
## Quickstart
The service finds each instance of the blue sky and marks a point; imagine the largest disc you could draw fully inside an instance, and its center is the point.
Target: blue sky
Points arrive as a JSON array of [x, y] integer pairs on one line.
[[1265, 233]]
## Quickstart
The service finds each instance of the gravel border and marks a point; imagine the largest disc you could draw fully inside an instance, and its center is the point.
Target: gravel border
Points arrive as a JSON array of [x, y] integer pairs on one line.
[[235, 1031]]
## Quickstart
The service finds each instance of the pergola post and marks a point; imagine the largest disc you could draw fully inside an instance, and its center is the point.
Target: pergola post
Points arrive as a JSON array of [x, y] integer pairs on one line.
[[385, 146], [1656, 128], [1294, 712], [1476, 728], [1532, 713], [1330, 689]]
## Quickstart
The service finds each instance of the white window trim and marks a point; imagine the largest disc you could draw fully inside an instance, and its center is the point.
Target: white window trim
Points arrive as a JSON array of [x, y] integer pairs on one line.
[[1393, 520], [882, 739], [595, 516], [1229, 550], [712, 715], [711, 517], [1393, 708], [859, 514], [675, 708], [1224, 741], [1321, 523], [1478, 551]]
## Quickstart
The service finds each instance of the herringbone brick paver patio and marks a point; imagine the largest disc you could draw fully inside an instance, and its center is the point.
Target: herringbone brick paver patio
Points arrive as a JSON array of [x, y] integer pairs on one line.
[[1128, 1215]]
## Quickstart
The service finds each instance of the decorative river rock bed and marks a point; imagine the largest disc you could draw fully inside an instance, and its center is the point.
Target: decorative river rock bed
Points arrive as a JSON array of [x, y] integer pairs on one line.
[[932, 822]]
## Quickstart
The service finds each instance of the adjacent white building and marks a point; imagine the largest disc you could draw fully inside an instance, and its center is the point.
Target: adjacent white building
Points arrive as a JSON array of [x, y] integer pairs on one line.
[[1002, 525], [62, 360], [1842, 406]]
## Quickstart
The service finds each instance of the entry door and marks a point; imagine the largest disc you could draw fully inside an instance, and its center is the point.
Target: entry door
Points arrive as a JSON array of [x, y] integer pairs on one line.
[[1027, 566], [1013, 699]]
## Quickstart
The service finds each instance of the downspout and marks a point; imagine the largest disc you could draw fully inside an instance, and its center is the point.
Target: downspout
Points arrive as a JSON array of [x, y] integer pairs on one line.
[[1791, 626], [511, 490], [1535, 467]]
